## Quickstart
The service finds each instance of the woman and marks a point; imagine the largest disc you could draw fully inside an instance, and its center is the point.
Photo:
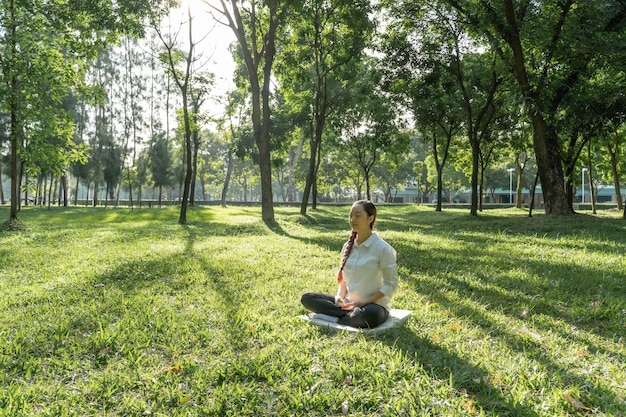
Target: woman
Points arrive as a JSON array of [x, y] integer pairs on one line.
[[367, 278]]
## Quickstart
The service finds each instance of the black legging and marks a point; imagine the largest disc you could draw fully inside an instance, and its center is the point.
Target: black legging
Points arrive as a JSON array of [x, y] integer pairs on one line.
[[368, 316]]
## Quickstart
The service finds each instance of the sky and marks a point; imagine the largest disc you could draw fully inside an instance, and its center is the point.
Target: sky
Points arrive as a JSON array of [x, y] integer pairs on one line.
[[213, 42]]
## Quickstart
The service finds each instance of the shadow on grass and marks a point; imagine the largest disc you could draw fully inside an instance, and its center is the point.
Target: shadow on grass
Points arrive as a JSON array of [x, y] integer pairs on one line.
[[468, 379], [503, 294], [471, 295], [548, 286]]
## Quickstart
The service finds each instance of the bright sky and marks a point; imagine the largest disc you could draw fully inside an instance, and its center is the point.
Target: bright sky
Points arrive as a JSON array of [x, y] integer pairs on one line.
[[214, 39]]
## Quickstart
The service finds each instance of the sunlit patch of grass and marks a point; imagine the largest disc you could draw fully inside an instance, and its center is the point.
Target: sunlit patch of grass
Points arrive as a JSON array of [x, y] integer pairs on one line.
[[124, 312]]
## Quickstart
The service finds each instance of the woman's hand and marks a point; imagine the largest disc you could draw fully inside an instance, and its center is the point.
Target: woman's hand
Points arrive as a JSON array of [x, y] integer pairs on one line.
[[348, 304]]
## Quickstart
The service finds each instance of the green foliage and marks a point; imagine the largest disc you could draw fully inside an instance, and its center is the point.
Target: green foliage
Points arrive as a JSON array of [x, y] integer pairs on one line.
[[512, 315], [161, 162], [47, 47]]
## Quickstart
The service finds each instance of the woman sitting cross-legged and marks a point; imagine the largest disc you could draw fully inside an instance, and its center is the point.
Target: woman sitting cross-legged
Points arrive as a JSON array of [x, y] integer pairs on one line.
[[367, 278]]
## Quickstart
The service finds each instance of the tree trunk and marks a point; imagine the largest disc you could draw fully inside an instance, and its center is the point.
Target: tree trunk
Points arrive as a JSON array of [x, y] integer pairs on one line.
[[182, 219], [317, 169], [310, 178], [1, 190], [475, 144], [293, 163], [439, 187], [76, 191], [13, 104], [261, 113], [194, 164], [549, 167], [267, 208], [546, 144], [481, 185], [130, 191], [95, 193], [51, 190], [64, 190], [15, 178], [614, 155], [263, 143], [368, 192], [592, 194], [229, 172], [532, 196]]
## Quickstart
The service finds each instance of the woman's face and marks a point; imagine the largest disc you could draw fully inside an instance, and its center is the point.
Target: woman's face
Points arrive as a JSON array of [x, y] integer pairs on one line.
[[359, 219]]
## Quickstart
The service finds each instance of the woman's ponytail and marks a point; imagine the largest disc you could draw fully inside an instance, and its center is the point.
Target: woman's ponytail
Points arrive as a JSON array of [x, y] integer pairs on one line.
[[345, 255]]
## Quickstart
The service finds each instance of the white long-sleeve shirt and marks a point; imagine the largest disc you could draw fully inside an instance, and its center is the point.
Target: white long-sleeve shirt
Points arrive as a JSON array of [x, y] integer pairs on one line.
[[371, 267]]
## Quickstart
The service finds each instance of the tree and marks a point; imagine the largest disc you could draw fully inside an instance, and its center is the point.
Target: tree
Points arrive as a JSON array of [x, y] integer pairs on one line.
[[392, 174], [325, 41], [436, 107], [369, 124], [134, 97], [174, 58], [256, 31], [478, 81], [46, 45], [605, 123], [201, 84], [550, 46], [161, 164], [614, 143], [235, 129], [419, 82]]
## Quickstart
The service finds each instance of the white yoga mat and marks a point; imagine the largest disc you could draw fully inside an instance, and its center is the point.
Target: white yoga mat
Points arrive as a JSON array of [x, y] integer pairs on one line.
[[396, 319]]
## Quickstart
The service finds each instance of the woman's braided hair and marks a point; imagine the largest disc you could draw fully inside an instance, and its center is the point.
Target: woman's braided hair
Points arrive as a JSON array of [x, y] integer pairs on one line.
[[370, 209]]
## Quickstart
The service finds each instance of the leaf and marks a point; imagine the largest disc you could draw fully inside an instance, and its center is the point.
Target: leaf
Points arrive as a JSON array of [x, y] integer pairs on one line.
[[316, 368], [469, 406], [173, 368], [313, 388], [490, 379], [344, 408], [184, 399], [454, 326], [575, 403]]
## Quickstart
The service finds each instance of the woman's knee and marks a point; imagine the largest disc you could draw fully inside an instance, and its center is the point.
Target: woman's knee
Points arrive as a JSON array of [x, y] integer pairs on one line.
[[308, 298]]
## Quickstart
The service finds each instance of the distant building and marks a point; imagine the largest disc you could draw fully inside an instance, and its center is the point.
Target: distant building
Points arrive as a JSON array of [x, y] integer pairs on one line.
[[604, 194]]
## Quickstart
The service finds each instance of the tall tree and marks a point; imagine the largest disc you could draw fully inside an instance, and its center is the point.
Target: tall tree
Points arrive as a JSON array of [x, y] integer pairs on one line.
[[201, 84], [134, 98], [550, 47], [478, 81], [161, 164], [369, 124], [174, 58], [256, 28], [429, 91], [326, 39], [235, 129]]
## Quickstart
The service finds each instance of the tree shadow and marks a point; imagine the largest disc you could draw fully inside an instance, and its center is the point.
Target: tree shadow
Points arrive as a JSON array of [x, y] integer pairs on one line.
[[469, 380], [481, 298]]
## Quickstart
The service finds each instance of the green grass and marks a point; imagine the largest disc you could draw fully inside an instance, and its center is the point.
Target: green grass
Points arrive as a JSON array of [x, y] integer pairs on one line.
[[113, 312]]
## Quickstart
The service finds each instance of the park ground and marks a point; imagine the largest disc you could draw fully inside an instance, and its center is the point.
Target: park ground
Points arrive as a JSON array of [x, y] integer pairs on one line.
[[120, 312]]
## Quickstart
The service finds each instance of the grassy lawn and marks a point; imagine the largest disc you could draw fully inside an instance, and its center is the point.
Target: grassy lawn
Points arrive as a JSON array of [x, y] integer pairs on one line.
[[113, 312]]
